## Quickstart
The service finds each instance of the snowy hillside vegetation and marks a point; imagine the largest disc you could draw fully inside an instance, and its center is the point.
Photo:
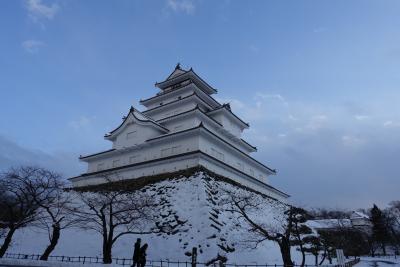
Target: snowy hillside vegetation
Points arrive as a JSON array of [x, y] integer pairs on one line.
[[195, 208]]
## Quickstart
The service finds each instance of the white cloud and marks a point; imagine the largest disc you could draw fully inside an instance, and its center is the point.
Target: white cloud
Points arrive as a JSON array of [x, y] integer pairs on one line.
[[186, 6], [32, 46], [349, 140], [390, 123], [317, 122], [37, 9], [361, 117], [82, 123], [273, 96]]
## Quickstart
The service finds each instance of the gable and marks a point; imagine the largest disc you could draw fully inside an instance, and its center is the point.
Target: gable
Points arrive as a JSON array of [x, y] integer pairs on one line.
[[134, 133]]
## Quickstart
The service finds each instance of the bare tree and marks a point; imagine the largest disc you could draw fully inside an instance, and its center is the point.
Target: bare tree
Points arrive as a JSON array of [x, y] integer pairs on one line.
[[248, 206], [114, 213], [47, 191], [17, 208]]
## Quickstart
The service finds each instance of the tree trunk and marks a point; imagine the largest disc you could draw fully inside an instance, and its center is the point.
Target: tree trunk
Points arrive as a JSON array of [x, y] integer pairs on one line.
[[303, 255], [384, 249], [7, 242], [323, 258], [285, 252], [107, 258], [53, 242], [316, 259]]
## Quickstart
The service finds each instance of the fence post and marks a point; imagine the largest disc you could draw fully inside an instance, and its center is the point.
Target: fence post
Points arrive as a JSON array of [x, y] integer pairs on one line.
[[194, 256]]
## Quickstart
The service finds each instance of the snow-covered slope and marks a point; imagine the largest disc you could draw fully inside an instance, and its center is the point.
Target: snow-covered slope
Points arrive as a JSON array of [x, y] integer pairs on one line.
[[195, 200]]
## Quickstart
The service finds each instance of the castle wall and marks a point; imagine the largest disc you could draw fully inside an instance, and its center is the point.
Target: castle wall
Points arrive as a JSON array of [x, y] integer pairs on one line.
[[238, 161], [134, 134], [143, 153]]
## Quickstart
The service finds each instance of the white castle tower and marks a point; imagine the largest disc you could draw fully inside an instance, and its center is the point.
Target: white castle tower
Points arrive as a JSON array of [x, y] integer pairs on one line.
[[183, 127]]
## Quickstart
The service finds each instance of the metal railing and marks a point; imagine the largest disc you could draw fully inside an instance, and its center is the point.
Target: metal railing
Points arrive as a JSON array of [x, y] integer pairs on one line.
[[129, 262]]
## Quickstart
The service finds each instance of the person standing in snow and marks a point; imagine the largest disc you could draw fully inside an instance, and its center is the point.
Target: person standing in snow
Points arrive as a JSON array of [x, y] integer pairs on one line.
[[142, 259], [136, 253]]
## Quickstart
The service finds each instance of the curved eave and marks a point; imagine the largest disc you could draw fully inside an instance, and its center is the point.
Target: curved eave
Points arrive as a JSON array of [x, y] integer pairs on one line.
[[95, 154], [190, 73], [132, 112], [194, 94], [163, 94], [223, 108], [249, 146], [283, 194], [253, 147], [201, 126]]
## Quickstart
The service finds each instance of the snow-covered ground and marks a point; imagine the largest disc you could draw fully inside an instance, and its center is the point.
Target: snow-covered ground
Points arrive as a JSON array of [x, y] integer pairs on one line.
[[378, 262], [209, 228]]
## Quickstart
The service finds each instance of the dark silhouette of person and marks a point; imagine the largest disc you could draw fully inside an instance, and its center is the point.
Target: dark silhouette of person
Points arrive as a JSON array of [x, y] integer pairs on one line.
[[136, 253], [142, 259]]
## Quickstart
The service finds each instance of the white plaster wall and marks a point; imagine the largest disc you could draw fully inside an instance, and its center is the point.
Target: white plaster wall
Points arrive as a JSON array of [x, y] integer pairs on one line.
[[143, 153], [135, 134], [173, 109], [215, 130], [229, 124], [183, 123], [233, 158], [176, 164], [191, 121], [172, 96], [182, 92], [170, 165], [177, 146], [239, 178]]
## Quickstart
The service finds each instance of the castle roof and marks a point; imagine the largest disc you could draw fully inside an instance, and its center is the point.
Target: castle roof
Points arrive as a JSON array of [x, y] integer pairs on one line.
[[139, 116], [227, 108], [180, 75]]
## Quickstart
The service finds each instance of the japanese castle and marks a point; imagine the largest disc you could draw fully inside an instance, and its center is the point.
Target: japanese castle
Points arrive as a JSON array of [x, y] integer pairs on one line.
[[182, 127]]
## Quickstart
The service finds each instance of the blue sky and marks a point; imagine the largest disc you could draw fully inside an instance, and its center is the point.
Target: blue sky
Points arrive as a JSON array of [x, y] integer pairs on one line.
[[317, 80]]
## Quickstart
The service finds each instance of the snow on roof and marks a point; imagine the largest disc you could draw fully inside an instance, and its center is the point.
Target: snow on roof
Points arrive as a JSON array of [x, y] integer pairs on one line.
[[329, 223], [359, 215]]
